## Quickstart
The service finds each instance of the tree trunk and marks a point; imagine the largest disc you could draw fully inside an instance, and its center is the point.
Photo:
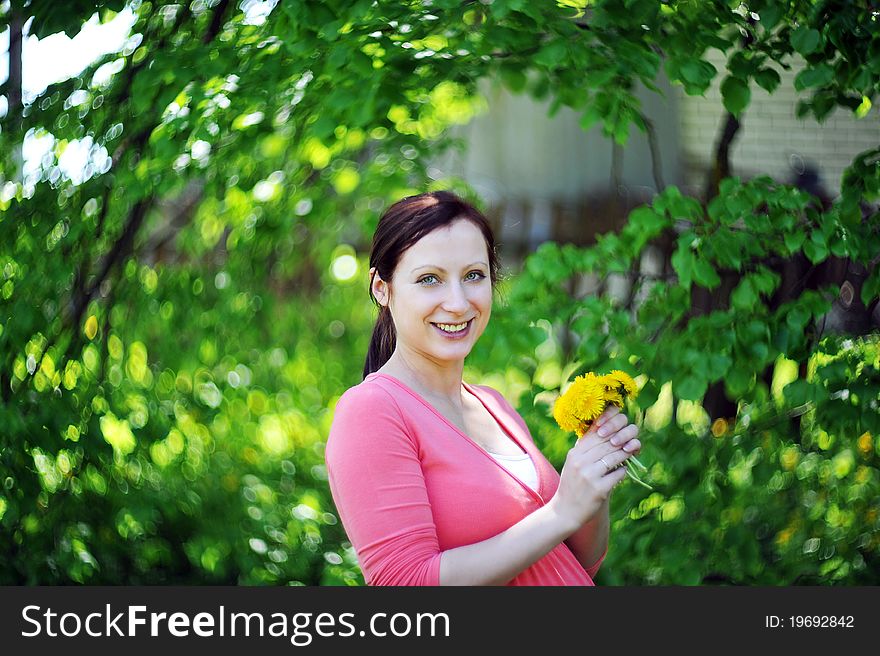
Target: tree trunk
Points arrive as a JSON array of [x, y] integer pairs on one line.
[[14, 89]]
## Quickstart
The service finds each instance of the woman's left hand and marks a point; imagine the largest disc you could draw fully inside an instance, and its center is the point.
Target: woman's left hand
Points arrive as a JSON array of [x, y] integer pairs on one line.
[[613, 426]]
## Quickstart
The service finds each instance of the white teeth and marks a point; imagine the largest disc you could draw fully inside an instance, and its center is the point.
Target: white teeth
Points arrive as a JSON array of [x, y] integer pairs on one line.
[[452, 328]]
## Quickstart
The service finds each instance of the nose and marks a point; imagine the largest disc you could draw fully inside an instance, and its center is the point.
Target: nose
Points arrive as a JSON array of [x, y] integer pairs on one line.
[[456, 301]]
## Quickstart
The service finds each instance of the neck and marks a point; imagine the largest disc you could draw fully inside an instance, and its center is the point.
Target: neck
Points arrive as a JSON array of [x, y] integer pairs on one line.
[[428, 378]]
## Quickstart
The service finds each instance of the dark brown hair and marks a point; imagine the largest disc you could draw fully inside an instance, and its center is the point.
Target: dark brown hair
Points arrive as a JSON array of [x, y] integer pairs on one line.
[[401, 226]]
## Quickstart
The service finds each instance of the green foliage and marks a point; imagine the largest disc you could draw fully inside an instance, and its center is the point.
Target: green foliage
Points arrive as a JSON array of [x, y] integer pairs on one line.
[[736, 95], [177, 323], [755, 504], [731, 502]]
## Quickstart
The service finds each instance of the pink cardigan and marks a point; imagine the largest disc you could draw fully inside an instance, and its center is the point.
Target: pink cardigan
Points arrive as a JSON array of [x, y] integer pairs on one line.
[[408, 485]]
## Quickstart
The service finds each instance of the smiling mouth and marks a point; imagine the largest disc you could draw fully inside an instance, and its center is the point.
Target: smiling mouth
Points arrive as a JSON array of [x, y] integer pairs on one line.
[[461, 331]]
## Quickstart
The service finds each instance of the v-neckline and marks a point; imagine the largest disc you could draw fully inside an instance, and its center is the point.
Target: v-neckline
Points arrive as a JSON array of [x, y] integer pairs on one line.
[[472, 390]]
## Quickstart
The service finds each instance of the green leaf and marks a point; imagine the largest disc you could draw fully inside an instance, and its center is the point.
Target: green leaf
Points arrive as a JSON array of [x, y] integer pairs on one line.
[[839, 247], [553, 54], [738, 381], [744, 296], [805, 40], [648, 395], [781, 339], [871, 287], [794, 240], [683, 264], [501, 9], [759, 351], [738, 205], [717, 208], [740, 65], [798, 392], [816, 249], [771, 14], [817, 76], [690, 388], [736, 95], [685, 207], [621, 132], [718, 365], [765, 280], [645, 220], [796, 318], [755, 330], [727, 249], [705, 274], [697, 72], [540, 88], [768, 79], [600, 78], [514, 78], [590, 117]]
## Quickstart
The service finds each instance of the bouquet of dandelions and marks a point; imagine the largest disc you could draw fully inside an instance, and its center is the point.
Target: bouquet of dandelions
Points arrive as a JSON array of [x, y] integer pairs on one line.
[[586, 399]]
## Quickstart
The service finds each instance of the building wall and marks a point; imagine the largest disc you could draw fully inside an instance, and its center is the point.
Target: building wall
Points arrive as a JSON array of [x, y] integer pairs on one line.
[[546, 178], [771, 139], [515, 150]]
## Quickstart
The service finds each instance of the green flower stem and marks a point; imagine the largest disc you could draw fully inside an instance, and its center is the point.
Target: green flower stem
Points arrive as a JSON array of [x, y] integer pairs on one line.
[[638, 464], [632, 465]]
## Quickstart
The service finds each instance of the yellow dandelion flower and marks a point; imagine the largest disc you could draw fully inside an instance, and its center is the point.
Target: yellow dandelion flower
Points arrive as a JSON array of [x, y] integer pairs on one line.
[[609, 382], [630, 389], [590, 397], [614, 398], [564, 416], [581, 403], [611, 385]]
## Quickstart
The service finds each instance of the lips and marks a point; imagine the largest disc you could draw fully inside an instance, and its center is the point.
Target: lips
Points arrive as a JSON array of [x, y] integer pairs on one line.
[[459, 334]]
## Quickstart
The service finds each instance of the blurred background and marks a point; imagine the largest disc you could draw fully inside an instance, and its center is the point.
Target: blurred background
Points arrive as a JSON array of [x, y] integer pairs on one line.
[[187, 197]]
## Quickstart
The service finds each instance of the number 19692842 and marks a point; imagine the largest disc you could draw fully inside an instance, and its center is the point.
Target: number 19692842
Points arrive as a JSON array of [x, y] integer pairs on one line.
[[809, 621]]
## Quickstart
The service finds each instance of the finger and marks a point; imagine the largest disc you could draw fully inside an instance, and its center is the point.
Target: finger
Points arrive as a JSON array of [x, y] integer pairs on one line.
[[612, 478], [609, 412], [617, 476], [632, 447], [624, 435], [612, 425], [591, 436], [593, 449], [614, 442], [611, 460], [607, 415], [591, 430]]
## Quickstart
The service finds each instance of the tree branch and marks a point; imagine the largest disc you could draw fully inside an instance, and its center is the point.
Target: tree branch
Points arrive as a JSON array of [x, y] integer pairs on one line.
[[14, 83], [216, 22], [656, 163], [616, 168]]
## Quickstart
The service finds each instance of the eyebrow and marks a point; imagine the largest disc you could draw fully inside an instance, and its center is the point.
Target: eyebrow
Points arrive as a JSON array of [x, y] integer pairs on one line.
[[441, 269]]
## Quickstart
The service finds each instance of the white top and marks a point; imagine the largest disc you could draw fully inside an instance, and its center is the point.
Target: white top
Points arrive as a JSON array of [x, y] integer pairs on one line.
[[520, 466]]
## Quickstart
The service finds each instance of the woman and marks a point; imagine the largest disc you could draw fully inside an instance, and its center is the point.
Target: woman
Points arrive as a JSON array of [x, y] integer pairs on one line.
[[437, 481]]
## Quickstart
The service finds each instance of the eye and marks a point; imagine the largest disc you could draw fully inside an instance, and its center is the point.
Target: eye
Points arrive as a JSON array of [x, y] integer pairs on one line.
[[480, 276]]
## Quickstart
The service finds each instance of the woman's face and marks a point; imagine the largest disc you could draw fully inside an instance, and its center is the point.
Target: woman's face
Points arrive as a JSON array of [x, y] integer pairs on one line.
[[442, 278]]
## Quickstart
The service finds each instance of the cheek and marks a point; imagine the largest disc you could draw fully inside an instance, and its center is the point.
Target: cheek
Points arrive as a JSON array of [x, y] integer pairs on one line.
[[485, 300]]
